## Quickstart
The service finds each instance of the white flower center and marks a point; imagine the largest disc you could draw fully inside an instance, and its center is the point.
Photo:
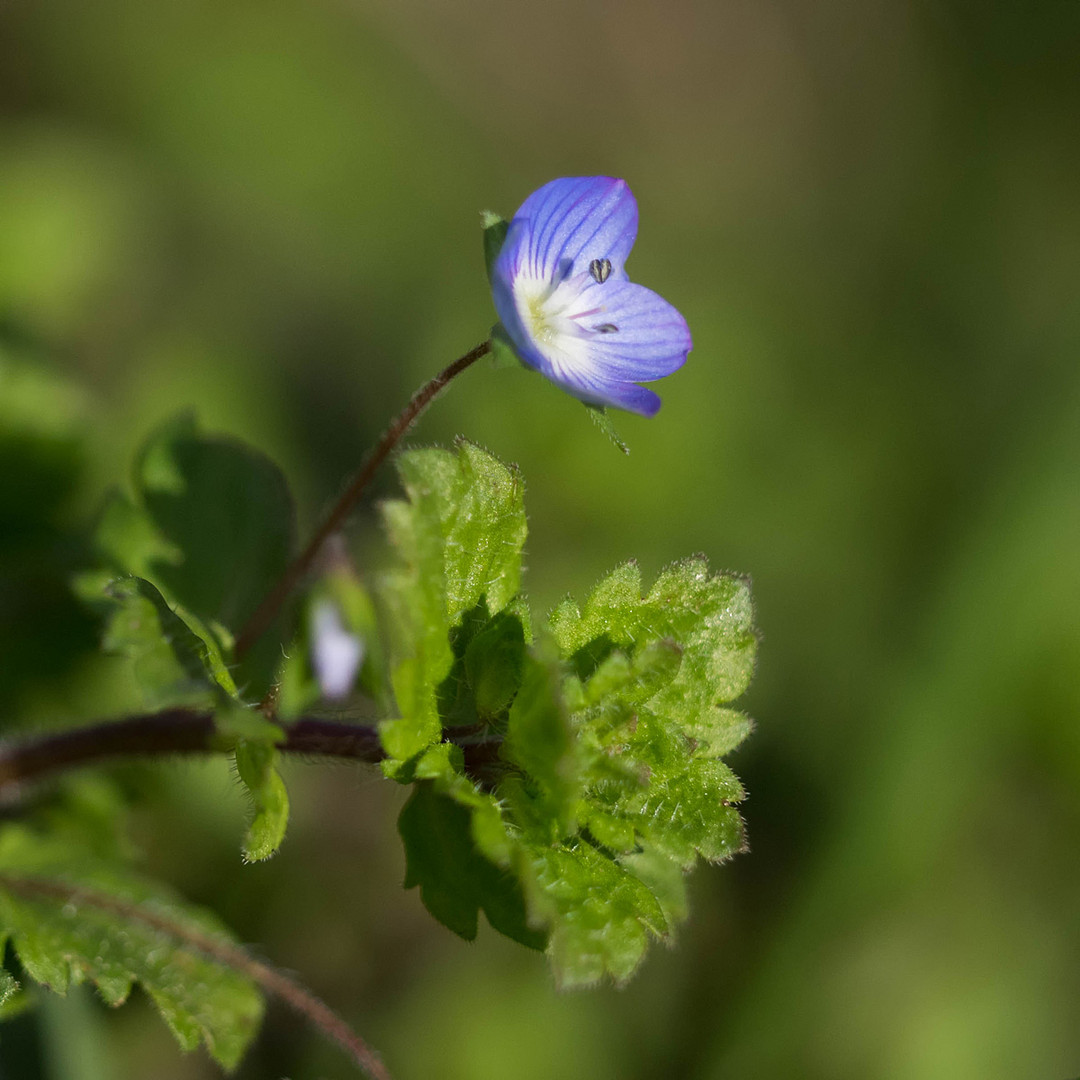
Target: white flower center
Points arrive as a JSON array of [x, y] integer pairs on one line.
[[553, 316]]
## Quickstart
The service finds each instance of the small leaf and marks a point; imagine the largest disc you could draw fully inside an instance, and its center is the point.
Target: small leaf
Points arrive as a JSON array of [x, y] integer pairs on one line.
[[494, 665], [601, 914], [256, 762], [540, 741]]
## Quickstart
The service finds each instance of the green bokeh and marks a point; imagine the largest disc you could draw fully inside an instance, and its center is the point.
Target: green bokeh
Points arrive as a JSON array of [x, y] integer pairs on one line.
[[869, 215]]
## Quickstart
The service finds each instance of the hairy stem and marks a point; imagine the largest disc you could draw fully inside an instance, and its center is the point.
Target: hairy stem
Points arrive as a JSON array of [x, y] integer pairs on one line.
[[189, 731], [164, 734], [269, 978], [268, 610]]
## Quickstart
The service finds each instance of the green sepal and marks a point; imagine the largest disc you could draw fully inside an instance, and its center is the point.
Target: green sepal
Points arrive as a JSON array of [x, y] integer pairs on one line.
[[602, 419], [495, 229], [503, 353]]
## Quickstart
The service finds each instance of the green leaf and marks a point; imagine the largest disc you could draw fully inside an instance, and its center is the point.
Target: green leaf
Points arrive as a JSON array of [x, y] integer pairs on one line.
[[608, 783], [459, 536], [456, 881], [256, 763], [601, 914], [73, 918], [225, 526], [176, 660], [540, 741]]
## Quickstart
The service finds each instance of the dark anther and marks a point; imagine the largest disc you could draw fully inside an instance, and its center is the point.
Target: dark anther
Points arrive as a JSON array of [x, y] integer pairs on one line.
[[600, 270], [606, 328]]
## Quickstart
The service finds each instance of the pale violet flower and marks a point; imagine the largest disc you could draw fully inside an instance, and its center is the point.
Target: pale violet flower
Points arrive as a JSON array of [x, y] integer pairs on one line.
[[336, 655], [565, 302]]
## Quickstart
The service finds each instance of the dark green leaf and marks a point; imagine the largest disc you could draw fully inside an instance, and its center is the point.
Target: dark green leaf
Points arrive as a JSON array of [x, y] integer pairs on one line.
[[494, 665], [176, 660], [455, 880], [224, 512]]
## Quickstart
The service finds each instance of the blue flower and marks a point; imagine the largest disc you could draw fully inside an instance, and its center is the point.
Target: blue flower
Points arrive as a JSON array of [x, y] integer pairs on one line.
[[566, 304]]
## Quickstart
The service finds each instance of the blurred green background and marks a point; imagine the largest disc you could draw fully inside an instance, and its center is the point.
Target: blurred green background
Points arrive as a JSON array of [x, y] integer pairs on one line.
[[870, 216]]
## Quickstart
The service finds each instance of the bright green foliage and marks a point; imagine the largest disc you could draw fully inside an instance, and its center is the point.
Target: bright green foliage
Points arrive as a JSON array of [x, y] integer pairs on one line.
[[460, 536], [73, 918], [584, 775]]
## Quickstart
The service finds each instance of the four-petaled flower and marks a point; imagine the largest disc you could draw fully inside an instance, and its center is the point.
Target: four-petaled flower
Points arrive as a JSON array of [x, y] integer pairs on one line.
[[566, 304]]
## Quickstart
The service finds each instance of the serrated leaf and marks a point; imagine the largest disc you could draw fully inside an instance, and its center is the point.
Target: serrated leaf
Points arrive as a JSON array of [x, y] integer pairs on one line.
[[609, 782], [73, 918], [601, 915], [460, 536], [256, 763]]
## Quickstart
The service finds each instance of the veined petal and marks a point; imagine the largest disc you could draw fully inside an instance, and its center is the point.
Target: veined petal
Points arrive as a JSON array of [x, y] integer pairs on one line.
[[566, 305], [621, 395], [570, 222], [634, 333]]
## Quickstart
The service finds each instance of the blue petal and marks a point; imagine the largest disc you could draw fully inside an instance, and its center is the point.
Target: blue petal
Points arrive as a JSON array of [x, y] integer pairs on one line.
[[571, 221], [620, 395], [644, 337]]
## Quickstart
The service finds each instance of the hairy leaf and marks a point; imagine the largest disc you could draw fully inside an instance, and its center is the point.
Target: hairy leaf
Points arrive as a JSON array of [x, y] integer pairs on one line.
[[256, 762], [73, 918], [459, 536]]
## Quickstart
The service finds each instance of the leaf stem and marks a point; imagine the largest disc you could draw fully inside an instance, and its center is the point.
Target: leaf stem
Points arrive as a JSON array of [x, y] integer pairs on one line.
[[269, 978], [268, 610]]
